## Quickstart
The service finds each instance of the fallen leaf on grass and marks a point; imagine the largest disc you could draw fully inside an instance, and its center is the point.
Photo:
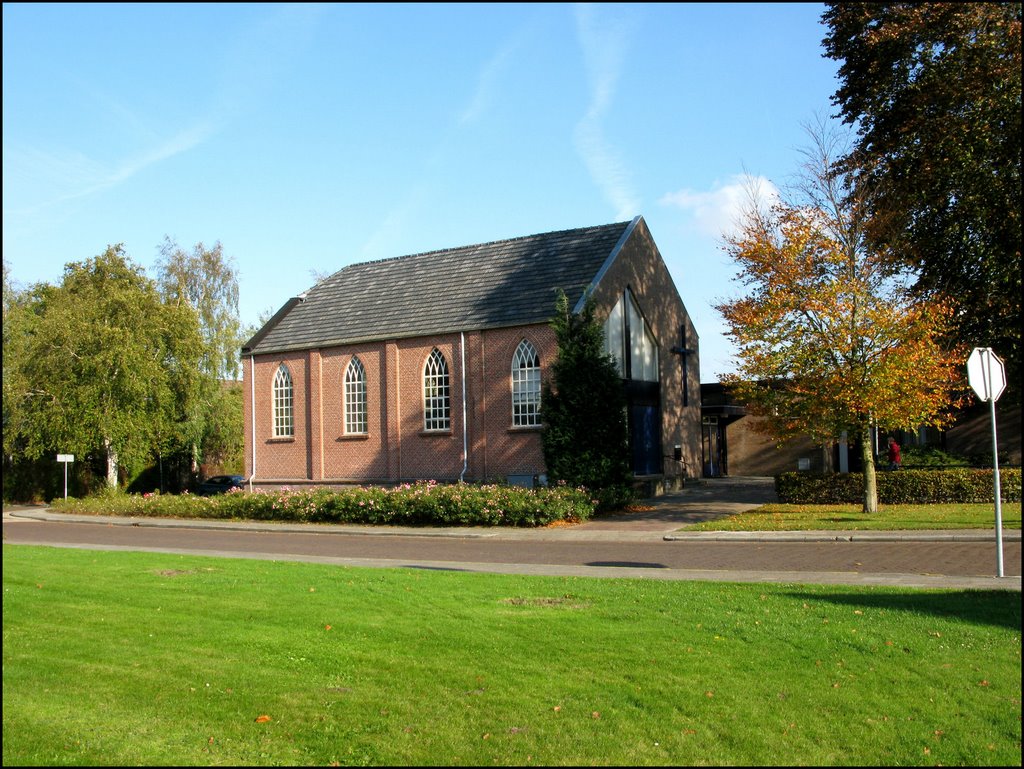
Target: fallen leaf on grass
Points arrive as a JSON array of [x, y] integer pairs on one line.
[[262, 719]]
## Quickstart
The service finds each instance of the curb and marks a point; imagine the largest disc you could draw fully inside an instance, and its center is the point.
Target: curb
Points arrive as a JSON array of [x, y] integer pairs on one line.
[[976, 535]]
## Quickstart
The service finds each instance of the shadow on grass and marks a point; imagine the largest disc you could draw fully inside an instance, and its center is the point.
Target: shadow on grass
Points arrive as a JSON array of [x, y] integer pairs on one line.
[[1000, 608]]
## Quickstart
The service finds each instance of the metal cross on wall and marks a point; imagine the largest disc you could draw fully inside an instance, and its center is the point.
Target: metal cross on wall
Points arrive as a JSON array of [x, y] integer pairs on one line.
[[684, 353]]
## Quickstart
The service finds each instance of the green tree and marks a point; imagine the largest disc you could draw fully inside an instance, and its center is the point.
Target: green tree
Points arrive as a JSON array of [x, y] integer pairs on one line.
[[829, 340], [934, 90], [223, 443], [585, 438], [102, 366], [206, 281]]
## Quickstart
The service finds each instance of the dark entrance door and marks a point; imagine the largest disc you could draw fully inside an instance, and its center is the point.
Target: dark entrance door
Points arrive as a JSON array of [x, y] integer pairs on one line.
[[713, 448], [645, 438], [643, 401]]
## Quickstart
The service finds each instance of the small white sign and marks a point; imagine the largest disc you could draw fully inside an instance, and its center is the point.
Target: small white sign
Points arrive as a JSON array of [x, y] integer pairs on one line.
[[65, 457]]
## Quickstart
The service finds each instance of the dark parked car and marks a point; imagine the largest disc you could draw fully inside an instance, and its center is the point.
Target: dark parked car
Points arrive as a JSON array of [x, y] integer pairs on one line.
[[218, 484]]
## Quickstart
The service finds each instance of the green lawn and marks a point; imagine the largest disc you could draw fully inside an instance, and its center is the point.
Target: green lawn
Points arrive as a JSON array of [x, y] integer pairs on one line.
[[120, 658], [851, 517]]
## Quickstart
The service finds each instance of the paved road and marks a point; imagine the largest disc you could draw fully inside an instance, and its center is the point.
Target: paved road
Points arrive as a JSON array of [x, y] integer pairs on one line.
[[652, 544]]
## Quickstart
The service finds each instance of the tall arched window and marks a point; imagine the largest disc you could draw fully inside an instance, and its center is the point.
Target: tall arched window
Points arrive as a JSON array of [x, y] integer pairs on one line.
[[436, 393], [284, 423], [355, 397], [525, 386]]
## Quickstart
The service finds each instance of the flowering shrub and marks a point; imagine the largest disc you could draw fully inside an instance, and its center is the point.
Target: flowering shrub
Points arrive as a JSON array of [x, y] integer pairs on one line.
[[419, 504]]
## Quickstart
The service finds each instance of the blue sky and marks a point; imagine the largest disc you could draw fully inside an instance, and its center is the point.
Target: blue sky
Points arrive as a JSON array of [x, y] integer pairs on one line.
[[308, 137]]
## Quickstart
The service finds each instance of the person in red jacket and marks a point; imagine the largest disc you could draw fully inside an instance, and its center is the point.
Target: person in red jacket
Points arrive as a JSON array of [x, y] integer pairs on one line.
[[894, 455]]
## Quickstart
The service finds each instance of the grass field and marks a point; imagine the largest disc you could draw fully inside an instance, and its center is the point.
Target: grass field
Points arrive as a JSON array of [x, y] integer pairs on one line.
[[852, 517], [118, 658]]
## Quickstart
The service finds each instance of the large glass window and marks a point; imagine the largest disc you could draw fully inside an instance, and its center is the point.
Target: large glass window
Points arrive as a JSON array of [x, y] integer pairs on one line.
[[355, 398], [614, 333], [525, 386], [629, 340], [284, 423], [436, 393]]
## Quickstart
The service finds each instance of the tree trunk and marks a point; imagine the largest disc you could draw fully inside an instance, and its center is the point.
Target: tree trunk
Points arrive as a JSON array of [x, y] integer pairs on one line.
[[111, 463], [867, 457]]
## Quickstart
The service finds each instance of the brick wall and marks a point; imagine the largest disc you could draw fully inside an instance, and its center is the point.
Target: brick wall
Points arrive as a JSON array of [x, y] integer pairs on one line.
[[499, 448], [277, 457], [396, 447], [751, 452]]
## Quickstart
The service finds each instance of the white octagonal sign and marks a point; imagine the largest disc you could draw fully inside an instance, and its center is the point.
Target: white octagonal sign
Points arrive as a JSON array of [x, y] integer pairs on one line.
[[986, 374]]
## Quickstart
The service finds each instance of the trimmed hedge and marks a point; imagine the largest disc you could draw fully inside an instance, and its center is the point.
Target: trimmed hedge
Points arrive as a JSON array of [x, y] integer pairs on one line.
[[913, 487], [420, 504]]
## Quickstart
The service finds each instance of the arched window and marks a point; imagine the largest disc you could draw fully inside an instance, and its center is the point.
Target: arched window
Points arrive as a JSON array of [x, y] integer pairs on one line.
[[436, 393], [284, 423], [525, 386], [355, 397]]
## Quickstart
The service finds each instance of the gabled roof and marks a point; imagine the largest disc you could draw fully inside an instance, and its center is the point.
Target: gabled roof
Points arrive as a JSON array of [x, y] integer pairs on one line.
[[490, 285]]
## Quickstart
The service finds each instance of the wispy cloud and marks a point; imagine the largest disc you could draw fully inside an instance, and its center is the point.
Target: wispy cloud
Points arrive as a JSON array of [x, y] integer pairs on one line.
[[488, 80], [53, 177], [717, 212], [604, 44], [40, 178]]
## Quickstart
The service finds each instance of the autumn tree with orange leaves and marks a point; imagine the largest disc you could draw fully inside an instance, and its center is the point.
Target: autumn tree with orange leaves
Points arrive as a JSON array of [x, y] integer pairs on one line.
[[830, 340]]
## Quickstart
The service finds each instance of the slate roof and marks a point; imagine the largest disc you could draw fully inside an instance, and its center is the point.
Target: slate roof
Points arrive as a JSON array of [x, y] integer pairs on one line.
[[489, 285]]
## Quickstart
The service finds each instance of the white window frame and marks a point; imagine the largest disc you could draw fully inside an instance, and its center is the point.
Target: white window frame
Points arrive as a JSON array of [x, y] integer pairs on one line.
[[526, 386], [283, 403], [355, 397], [437, 406]]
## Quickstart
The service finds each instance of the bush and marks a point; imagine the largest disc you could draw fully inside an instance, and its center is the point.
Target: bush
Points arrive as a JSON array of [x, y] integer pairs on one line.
[[420, 504], [916, 487], [927, 456]]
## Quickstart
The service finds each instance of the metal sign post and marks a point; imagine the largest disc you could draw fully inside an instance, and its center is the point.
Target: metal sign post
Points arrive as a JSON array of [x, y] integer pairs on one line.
[[987, 378], [66, 459]]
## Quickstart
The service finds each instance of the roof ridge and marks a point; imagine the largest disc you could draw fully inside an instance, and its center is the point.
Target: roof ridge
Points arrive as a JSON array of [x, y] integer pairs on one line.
[[452, 249]]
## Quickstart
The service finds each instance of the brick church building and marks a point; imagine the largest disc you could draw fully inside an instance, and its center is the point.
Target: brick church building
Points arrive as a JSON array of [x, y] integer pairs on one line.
[[430, 366]]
